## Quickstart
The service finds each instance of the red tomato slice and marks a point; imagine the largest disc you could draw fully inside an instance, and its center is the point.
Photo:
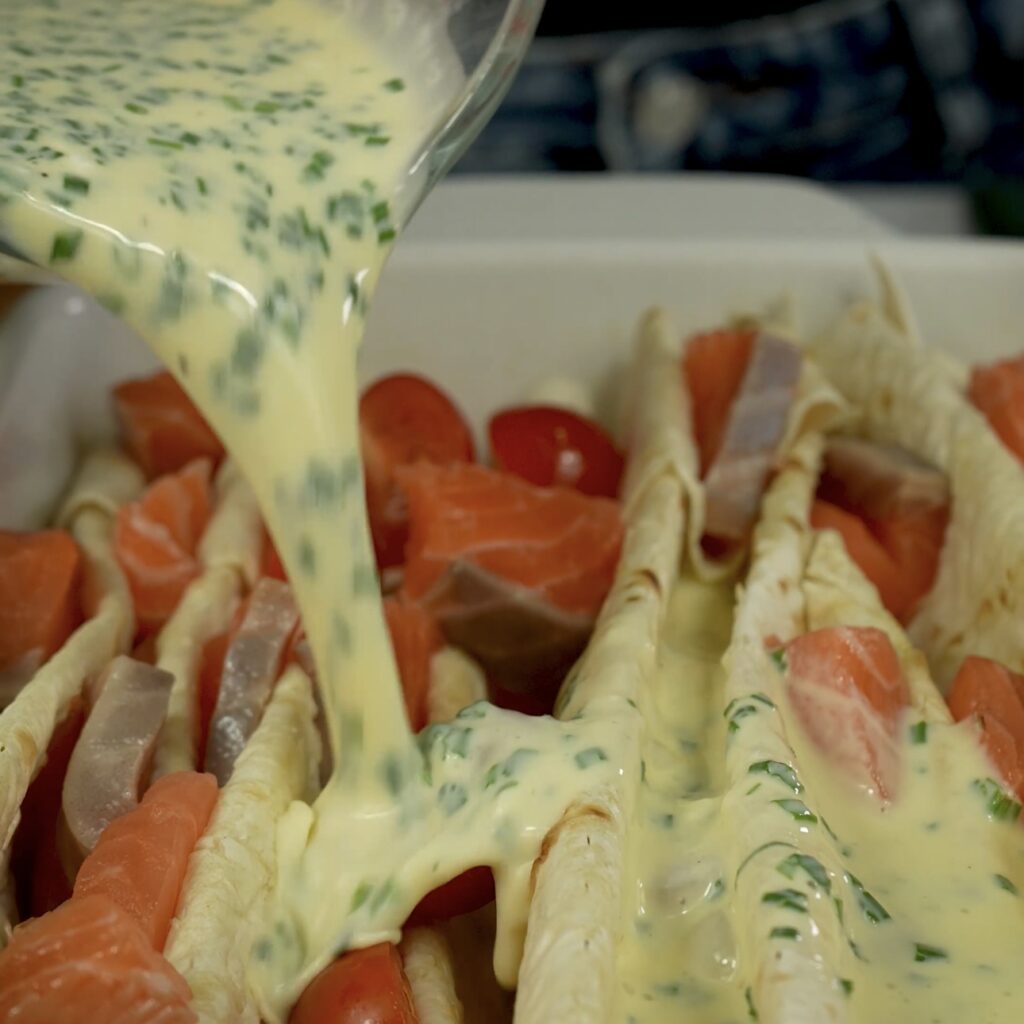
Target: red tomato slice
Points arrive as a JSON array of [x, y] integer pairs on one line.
[[465, 893], [548, 446], [403, 419], [365, 986]]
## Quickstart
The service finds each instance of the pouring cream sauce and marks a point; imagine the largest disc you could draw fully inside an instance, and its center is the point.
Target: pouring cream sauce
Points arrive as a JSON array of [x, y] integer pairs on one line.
[[224, 175]]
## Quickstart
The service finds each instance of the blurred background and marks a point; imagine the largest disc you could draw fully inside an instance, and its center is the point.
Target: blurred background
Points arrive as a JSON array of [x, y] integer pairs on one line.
[[914, 108]]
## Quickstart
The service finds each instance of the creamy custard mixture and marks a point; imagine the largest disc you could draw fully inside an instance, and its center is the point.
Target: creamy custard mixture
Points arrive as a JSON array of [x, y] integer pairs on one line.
[[227, 176]]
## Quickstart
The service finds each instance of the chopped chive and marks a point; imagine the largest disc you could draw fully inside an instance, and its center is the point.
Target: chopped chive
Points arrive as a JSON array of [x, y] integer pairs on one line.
[[394, 85], [784, 933], [777, 770], [1001, 807], [870, 907], [376, 140], [811, 866], [1004, 883], [798, 809], [136, 108], [846, 985], [73, 183], [751, 1009], [65, 246], [190, 139], [387, 235], [165, 143], [361, 895], [788, 899], [923, 953], [590, 756], [919, 733]]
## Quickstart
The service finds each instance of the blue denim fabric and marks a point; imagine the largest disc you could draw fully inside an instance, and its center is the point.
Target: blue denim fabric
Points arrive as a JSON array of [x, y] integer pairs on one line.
[[843, 90]]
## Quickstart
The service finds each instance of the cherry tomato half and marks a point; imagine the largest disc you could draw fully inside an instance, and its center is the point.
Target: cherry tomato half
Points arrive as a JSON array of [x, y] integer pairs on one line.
[[364, 986], [465, 893], [546, 446], [404, 418]]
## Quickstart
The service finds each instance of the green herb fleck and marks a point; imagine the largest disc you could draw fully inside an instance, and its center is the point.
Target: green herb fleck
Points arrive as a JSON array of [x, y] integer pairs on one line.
[[1001, 807], [784, 933], [136, 108], [788, 899], [361, 895], [919, 733], [73, 183], [870, 907], [318, 164], [846, 985], [307, 556], [65, 246], [165, 143], [811, 866], [778, 657], [798, 809], [923, 953], [590, 756], [267, 107], [451, 796], [1004, 883], [751, 1009], [394, 85], [777, 770]]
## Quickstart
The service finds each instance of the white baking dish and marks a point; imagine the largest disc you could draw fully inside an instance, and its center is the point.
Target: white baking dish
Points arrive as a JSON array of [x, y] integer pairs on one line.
[[499, 285]]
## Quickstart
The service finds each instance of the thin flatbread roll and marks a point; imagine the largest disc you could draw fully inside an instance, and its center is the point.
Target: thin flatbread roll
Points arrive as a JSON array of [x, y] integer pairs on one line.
[[907, 396], [231, 871]]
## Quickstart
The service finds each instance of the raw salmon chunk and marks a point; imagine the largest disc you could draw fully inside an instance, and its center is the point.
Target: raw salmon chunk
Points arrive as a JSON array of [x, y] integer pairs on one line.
[[414, 637], [155, 541], [162, 429], [39, 607], [88, 962], [994, 696], [713, 367], [998, 391], [847, 688], [141, 858], [562, 544]]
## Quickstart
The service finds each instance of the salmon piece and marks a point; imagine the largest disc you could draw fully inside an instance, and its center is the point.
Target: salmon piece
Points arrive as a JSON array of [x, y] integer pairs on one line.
[[155, 540], [867, 551], [35, 861], [414, 638], [713, 367], [39, 602], [880, 481], [270, 560], [162, 428], [914, 541], [741, 449], [899, 555], [997, 391], [994, 696], [140, 860], [562, 544], [847, 689], [85, 962]]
